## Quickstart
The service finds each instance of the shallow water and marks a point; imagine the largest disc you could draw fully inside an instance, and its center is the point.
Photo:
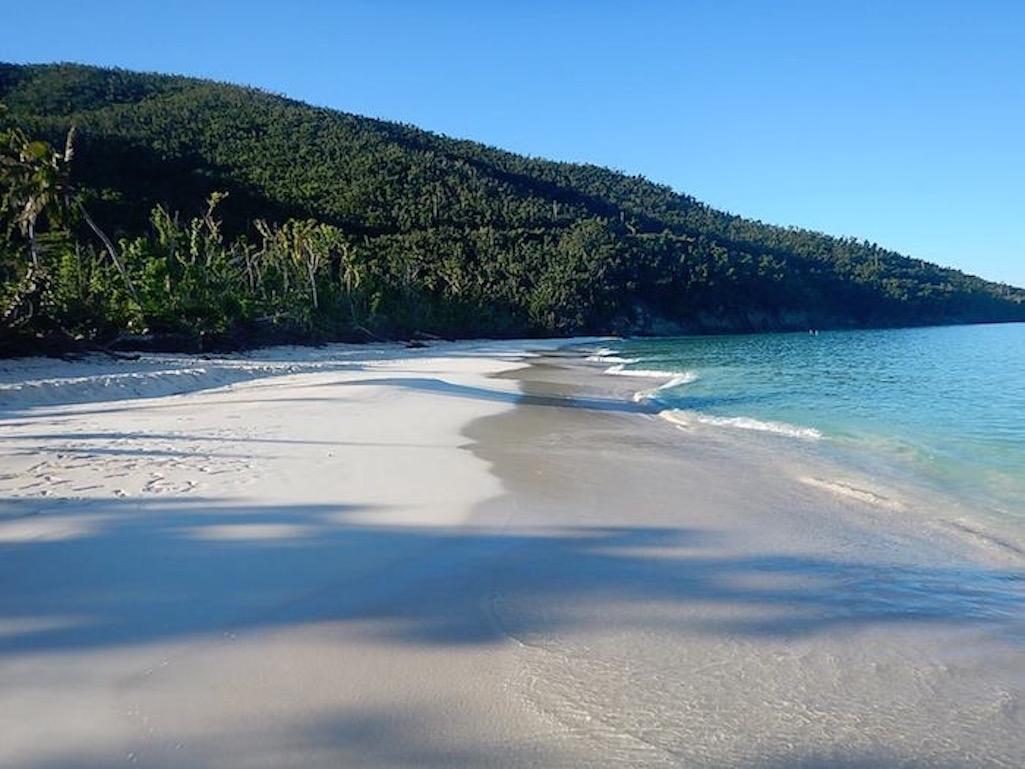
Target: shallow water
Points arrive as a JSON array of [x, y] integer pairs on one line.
[[944, 404]]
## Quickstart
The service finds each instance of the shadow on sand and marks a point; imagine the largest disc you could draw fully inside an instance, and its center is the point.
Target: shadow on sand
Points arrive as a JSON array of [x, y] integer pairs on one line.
[[133, 571], [112, 573]]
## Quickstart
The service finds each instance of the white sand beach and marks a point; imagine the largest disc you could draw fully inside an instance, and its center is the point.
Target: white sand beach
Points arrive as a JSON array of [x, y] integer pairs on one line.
[[467, 555]]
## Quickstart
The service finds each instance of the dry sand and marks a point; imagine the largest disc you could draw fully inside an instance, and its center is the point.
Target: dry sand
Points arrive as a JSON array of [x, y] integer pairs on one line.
[[380, 557]]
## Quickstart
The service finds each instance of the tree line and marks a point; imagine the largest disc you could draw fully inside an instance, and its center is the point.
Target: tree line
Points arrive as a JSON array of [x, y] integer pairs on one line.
[[146, 208]]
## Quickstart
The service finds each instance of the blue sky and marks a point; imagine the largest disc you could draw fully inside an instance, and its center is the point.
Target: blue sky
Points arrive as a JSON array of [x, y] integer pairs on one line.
[[902, 122]]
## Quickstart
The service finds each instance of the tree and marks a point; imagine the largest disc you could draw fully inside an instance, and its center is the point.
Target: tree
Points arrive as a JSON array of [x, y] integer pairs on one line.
[[441, 236], [33, 185]]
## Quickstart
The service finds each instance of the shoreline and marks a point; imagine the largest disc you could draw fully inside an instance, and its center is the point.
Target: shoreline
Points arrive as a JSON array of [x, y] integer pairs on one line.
[[694, 584], [474, 555], [844, 466], [254, 574]]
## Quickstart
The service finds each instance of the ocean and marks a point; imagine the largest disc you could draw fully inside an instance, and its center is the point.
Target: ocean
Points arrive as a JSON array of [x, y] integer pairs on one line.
[[943, 407]]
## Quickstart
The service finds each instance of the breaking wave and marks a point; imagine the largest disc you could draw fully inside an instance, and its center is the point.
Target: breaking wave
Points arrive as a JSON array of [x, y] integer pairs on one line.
[[677, 381], [620, 369], [690, 418]]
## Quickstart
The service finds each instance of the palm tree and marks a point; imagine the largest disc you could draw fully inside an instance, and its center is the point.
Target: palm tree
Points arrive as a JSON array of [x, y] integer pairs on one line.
[[74, 204], [31, 180], [35, 182], [31, 186]]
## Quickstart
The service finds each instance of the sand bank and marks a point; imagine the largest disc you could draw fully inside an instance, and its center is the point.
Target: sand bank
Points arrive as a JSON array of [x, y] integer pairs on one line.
[[380, 557]]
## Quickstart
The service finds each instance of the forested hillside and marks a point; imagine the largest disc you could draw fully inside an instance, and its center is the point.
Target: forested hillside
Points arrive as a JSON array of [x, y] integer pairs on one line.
[[217, 215]]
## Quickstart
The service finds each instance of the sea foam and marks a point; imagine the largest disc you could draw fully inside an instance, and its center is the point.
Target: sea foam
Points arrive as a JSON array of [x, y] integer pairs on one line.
[[677, 381], [690, 418], [610, 359], [850, 491], [620, 369], [608, 355]]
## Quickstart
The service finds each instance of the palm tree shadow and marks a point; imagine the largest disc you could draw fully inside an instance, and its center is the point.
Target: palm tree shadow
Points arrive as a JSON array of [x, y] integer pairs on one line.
[[407, 735], [118, 572]]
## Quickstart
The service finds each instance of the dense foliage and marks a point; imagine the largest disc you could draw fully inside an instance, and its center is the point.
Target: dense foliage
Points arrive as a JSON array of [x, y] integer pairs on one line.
[[339, 226]]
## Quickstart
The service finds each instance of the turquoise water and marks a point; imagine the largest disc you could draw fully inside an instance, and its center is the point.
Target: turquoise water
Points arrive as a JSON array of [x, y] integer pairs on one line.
[[946, 403]]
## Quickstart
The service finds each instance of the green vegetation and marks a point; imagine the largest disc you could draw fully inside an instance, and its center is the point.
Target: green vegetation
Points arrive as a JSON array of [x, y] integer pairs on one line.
[[197, 214]]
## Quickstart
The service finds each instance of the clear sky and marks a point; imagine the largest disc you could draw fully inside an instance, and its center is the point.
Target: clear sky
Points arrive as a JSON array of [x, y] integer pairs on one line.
[[901, 122]]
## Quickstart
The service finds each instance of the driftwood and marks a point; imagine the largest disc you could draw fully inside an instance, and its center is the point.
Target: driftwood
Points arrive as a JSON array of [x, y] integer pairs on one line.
[[370, 334], [114, 353]]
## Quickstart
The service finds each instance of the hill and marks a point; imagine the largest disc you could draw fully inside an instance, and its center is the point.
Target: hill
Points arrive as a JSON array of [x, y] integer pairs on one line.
[[393, 230]]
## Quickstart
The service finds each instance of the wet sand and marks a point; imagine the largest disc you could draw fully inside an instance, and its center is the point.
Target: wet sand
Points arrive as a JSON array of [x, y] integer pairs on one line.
[[692, 602], [458, 559]]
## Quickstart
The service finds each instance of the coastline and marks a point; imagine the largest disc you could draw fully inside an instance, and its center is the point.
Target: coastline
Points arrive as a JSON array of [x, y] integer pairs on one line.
[[700, 604], [255, 574], [473, 556]]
